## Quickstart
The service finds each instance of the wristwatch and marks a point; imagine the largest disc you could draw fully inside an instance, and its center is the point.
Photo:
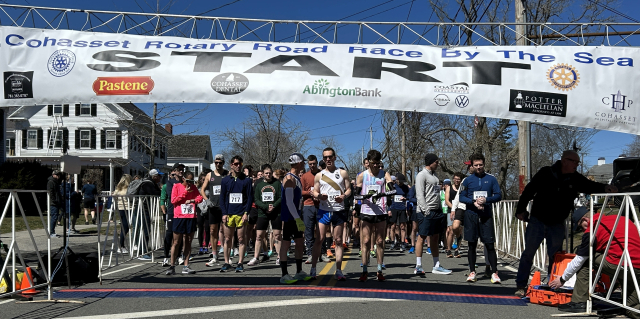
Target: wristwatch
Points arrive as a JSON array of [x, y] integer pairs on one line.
[[562, 280]]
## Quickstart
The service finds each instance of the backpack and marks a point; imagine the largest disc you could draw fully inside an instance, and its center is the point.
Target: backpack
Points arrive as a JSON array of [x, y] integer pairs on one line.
[[134, 187]]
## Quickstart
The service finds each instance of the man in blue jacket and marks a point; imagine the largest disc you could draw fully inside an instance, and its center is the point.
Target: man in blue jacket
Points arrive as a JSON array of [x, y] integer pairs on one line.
[[479, 191]]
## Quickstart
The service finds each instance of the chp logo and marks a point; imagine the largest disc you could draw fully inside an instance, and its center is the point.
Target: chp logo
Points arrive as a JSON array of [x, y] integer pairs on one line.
[[61, 63], [442, 99], [229, 83], [563, 77], [18, 85], [543, 103], [123, 85], [619, 103]]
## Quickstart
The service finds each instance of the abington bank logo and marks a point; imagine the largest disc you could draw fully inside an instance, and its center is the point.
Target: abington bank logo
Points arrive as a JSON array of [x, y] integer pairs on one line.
[[321, 87]]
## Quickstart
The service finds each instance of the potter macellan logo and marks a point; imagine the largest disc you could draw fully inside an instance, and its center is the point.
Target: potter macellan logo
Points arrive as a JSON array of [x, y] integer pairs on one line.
[[322, 87], [543, 103], [18, 85]]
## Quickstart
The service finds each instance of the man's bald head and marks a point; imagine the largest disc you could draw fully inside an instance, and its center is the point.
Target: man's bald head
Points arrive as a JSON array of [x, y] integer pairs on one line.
[[570, 154], [570, 161]]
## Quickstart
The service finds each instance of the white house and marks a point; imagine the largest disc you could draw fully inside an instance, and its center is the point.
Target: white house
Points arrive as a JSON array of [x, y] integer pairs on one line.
[[111, 137], [194, 151]]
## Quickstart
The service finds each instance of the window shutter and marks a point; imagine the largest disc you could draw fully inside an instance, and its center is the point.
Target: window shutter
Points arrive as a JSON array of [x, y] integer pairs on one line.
[[40, 138], [103, 139], [49, 110], [49, 137], [65, 110], [119, 140], [93, 139], [94, 109], [77, 109], [77, 139], [65, 140], [24, 139]]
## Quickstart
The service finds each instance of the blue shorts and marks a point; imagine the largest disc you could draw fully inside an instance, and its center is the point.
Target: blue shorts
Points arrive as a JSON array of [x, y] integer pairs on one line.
[[432, 224], [336, 218], [185, 225]]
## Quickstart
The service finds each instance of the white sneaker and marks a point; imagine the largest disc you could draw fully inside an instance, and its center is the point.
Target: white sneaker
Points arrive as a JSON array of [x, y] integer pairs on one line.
[[135, 247], [440, 270], [166, 262], [287, 280], [180, 260], [278, 261], [236, 252], [472, 277], [495, 279], [253, 262], [302, 276], [212, 262], [123, 250]]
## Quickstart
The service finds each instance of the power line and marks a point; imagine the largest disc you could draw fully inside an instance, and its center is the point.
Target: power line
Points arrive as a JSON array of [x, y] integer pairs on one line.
[[318, 128], [407, 20], [222, 6], [614, 11]]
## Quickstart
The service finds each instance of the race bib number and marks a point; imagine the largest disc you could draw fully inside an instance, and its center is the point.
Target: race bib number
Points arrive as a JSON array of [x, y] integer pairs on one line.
[[235, 198], [216, 190], [187, 209], [479, 194], [267, 197], [332, 195], [375, 188], [397, 198]]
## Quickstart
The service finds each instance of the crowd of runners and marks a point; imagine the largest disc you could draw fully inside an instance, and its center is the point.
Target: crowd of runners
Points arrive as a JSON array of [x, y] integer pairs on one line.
[[315, 209]]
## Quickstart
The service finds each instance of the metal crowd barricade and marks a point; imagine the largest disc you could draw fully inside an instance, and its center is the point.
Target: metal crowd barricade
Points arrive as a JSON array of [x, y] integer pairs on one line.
[[13, 201], [145, 228], [510, 233], [627, 210]]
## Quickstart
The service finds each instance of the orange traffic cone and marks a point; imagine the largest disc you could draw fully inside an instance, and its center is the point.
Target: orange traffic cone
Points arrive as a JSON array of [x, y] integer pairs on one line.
[[535, 281], [25, 282]]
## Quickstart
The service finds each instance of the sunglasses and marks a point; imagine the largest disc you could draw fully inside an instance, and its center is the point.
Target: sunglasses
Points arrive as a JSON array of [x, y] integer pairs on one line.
[[191, 181], [219, 163], [236, 163], [328, 157]]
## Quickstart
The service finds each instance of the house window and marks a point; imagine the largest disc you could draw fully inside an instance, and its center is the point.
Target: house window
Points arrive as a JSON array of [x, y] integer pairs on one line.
[[111, 139], [85, 109], [85, 139], [58, 109], [59, 136], [32, 139], [193, 169]]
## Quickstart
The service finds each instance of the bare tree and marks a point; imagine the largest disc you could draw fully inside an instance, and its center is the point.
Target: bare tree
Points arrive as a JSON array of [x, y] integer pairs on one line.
[[633, 148]]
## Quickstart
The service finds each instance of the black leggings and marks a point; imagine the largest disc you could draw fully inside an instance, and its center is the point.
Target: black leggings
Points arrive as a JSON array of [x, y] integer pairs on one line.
[[203, 231], [491, 251]]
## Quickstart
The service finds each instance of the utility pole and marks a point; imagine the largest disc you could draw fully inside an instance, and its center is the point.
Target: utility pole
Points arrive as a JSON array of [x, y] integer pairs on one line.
[[152, 147], [524, 127], [402, 147], [370, 137], [362, 159]]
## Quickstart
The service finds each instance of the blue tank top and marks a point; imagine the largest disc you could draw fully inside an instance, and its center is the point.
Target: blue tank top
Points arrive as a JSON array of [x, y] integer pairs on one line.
[[285, 215]]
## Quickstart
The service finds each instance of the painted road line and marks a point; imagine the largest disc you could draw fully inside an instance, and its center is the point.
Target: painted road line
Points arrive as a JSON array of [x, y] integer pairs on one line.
[[7, 301], [231, 307], [322, 273], [123, 269]]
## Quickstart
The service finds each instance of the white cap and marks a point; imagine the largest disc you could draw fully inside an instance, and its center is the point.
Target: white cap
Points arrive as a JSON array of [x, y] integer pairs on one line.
[[155, 172], [296, 158], [393, 178]]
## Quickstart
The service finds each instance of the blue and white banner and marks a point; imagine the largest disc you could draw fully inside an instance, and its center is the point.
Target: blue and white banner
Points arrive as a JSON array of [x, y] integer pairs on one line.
[[593, 87]]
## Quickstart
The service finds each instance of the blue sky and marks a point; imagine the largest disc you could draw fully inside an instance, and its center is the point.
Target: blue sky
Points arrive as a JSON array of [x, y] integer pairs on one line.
[[354, 133]]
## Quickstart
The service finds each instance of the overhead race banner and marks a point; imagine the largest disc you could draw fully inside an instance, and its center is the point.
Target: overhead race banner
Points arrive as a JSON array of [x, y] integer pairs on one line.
[[594, 87]]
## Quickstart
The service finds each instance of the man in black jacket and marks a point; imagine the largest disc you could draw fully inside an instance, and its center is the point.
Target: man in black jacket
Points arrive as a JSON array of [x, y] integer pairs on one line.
[[56, 201], [149, 187], [553, 190]]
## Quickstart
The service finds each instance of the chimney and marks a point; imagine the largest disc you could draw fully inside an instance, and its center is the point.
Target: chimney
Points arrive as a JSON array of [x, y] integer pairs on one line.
[[169, 128], [601, 161]]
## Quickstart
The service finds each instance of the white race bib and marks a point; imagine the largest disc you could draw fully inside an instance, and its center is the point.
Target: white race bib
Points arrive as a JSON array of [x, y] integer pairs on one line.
[[235, 198], [187, 209], [332, 195], [397, 198], [267, 197], [216, 190], [478, 194]]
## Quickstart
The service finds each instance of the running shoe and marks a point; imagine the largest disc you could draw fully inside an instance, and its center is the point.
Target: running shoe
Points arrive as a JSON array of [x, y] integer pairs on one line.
[[287, 280], [170, 271], [309, 260], [340, 276], [412, 250], [271, 253], [265, 258], [236, 252], [363, 277], [302, 276], [449, 254], [226, 267], [123, 250], [472, 277], [330, 254], [253, 262], [384, 267], [393, 246], [188, 271], [521, 292], [165, 262], [456, 253], [403, 247], [344, 246], [240, 268], [211, 263], [221, 251], [380, 276], [372, 253], [325, 259], [360, 253], [418, 270], [429, 250], [455, 243], [200, 252], [312, 273], [333, 246], [387, 240], [146, 257], [180, 260], [440, 270], [278, 261], [495, 279]]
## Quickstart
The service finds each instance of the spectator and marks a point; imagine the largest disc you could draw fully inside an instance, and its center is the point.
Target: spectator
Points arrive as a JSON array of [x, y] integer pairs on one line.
[[122, 205], [55, 201], [89, 192], [149, 187], [75, 202]]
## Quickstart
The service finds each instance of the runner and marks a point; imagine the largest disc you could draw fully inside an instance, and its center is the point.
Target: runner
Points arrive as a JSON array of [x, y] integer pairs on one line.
[[174, 178], [398, 211], [267, 199], [236, 197], [452, 236], [331, 187], [356, 215], [478, 192], [412, 203], [213, 183], [373, 186], [184, 197], [292, 224], [202, 209], [310, 208], [430, 219]]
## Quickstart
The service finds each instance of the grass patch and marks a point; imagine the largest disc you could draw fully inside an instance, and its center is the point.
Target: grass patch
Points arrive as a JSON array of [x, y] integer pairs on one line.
[[34, 223]]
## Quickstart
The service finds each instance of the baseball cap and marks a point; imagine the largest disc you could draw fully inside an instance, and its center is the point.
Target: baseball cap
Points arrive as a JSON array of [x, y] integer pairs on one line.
[[447, 181], [578, 213], [400, 177], [177, 166], [55, 172], [393, 178], [155, 172], [219, 157], [296, 158], [468, 163]]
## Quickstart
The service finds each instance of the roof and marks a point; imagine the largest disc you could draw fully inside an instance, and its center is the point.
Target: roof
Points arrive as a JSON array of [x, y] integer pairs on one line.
[[137, 114], [601, 173], [191, 146]]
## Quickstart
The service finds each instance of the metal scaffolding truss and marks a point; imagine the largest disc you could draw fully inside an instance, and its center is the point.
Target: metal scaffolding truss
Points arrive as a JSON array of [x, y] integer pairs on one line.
[[296, 31]]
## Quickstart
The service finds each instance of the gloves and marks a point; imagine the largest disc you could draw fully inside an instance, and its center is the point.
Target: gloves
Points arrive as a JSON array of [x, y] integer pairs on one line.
[[361, 197], [300, 224]]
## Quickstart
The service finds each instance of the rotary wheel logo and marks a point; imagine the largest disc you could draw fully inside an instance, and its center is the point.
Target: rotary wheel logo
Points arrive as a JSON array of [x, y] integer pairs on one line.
[[563, 77], [61, 62]]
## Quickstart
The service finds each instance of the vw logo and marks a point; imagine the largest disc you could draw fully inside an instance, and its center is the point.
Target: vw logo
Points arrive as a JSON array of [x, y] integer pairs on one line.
[[462, 101]]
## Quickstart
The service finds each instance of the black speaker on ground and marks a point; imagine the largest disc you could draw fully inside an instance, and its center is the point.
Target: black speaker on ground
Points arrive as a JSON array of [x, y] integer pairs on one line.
[[626, 177], [83, 268]]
